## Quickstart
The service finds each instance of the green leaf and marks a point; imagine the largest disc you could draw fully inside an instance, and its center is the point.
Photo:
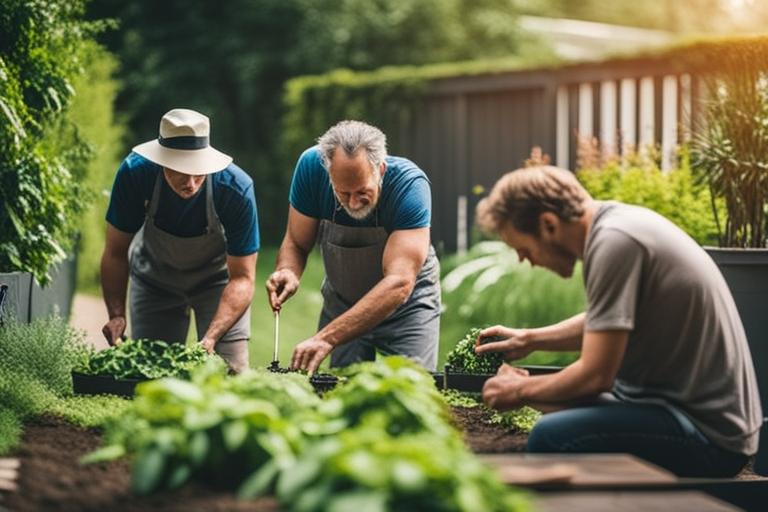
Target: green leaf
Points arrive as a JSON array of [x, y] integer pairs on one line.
[[147, 471], [104, 454], [259, 481], [198, 448], [298, 477], [234, 434], [369, 501], [179, 476]]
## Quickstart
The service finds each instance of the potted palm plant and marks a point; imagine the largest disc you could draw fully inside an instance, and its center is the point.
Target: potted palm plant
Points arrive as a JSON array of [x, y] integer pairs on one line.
[[730, 153]]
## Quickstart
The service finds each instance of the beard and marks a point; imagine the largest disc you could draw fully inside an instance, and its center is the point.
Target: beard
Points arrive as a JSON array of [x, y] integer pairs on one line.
[[361, 213]]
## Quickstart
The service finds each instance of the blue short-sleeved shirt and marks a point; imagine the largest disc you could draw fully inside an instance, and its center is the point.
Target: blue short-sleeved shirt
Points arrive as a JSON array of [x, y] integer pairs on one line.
[[233, 200], [405, 201]]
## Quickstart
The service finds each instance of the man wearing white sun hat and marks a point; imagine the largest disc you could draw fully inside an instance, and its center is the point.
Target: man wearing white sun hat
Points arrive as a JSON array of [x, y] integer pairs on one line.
[[182, 223]]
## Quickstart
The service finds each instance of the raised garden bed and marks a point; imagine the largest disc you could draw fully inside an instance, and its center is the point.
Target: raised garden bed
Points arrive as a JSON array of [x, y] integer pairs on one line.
[[52, 479]]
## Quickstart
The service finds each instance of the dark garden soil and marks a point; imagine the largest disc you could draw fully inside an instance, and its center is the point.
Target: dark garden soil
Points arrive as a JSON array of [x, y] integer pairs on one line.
[[484, 437], [51, 479]]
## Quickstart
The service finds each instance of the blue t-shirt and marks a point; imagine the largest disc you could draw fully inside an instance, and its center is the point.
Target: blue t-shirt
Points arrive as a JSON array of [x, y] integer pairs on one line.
[[405, 201], [233, 200]]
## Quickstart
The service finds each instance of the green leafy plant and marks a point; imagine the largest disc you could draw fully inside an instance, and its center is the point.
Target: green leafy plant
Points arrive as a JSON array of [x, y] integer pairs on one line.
[[464, 359], [521, 420], [730, 150], [145, 359], [367, 469], [216, 429], [382, 441], [396, 390]]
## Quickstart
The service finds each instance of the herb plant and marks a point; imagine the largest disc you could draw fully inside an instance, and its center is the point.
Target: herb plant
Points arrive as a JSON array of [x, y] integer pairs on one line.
[[145, 359], [463, 358], [213, 428], [367, 469]]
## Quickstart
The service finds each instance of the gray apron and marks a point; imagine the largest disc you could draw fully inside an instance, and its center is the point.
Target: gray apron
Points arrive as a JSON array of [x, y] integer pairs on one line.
[[171, 274], [353, 266]]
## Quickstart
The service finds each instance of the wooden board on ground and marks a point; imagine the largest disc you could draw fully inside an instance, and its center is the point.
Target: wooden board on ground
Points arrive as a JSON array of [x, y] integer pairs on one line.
[[577, 470], [662, 501]]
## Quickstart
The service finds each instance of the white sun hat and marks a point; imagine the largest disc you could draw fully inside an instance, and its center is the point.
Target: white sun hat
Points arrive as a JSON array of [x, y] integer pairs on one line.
[[184, 144]]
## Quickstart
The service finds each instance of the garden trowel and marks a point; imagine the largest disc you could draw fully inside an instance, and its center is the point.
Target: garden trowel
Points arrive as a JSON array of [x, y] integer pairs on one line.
[[275, 363]]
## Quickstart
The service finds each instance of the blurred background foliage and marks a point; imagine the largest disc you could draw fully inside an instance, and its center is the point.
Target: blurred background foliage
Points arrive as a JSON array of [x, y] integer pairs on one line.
[[85, 97]]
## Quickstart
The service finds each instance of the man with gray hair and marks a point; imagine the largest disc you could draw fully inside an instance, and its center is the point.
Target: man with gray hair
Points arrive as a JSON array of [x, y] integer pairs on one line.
[[370, 213]]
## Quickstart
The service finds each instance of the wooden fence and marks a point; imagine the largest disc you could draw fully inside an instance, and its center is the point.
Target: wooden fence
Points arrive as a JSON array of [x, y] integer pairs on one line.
[[468, 131]]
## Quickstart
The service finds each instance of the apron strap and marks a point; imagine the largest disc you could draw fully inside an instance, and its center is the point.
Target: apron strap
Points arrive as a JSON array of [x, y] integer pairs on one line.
[[152, 210], [210, 211]]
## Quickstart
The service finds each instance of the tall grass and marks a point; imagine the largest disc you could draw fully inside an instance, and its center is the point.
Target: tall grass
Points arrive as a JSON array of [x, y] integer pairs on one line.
[[489, 286]]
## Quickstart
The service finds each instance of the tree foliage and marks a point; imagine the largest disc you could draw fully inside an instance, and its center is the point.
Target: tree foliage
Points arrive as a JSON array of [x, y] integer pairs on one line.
[[40, 194], [231, 61]]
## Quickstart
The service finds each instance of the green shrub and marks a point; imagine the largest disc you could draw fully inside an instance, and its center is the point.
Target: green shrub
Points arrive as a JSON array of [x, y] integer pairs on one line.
[[43, 351], [10, 430], [489, 286], [40, 190], [673, 194]]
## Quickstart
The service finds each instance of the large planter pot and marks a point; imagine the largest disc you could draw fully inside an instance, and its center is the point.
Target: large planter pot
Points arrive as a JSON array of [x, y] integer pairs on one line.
[[746, 272], [26, 300]]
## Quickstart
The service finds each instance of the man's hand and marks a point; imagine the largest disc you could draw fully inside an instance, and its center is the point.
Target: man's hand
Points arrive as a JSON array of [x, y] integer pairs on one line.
[[309, 354], [208, 344], [515, 345], [501, 391], [114, 330], [281, 285]]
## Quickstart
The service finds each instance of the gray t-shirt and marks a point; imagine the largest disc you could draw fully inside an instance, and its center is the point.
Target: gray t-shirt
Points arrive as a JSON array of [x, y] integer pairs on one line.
[[687, 347]]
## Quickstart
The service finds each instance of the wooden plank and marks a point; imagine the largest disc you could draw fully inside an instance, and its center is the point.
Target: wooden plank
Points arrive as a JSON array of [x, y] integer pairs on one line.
[[577, 470], [630, 501]]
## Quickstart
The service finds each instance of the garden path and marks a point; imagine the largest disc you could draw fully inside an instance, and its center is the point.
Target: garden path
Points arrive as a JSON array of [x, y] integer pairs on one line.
[[89, 315]]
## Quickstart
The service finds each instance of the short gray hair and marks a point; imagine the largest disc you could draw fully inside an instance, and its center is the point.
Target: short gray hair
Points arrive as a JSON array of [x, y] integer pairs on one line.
[[353, 136]]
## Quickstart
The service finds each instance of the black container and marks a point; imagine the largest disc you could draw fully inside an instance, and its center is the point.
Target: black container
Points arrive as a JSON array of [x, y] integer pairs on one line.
[[83, 384], [474, 383], [323, 382], [439, 378]]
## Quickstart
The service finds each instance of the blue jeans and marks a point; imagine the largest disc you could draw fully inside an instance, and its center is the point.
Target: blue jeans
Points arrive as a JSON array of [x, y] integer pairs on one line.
[[651, 432]]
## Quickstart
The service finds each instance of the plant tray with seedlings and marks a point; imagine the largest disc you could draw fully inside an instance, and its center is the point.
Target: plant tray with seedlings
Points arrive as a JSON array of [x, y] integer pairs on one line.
[[117, 370], [84, 384], [321, 382], [474, 382], [467, 371]]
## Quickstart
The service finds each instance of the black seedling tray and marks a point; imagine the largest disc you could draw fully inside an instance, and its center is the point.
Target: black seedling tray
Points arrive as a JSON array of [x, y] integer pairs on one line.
[[83, 384], [322, 382], [439, 379], [474, 382]]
